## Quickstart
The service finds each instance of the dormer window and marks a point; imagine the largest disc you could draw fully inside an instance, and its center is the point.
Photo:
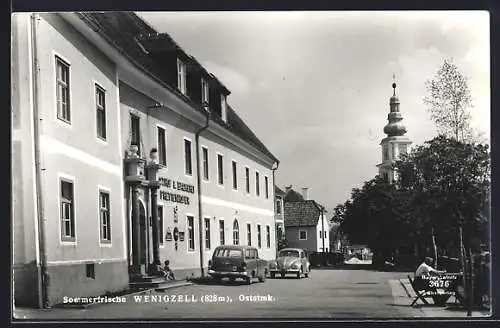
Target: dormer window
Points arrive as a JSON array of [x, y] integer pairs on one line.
[[181, 76], [204, 91]]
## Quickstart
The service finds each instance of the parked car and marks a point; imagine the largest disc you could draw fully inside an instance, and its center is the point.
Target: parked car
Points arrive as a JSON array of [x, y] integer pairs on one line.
[[232, 261], [290, 261]]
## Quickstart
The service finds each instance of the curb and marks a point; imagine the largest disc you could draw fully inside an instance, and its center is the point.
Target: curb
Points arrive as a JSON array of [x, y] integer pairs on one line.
[[404, 287], [139, 292]]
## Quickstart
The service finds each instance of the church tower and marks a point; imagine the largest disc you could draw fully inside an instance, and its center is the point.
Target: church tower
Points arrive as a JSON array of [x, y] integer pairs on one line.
[[396, 142]]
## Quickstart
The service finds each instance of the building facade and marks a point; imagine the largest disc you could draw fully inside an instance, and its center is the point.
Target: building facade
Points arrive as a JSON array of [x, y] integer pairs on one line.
[[396, 143], [306, 223], [279, 213], [138, 158]]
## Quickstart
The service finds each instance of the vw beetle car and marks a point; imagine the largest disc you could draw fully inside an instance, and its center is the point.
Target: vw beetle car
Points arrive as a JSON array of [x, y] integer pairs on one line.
[[231, 261], [290, 261]]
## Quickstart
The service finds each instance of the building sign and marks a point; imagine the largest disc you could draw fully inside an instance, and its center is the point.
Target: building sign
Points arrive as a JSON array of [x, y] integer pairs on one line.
[[178, 186]]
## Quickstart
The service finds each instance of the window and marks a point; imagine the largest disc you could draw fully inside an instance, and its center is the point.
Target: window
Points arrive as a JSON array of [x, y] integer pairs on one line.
[[247, 177], [257, 184], [268, 236], [385, 149], [235, 176], [67, 211], [181, 76], [104, 215], [403, 149], [160, 225], [302, 235], [236, 233], [266, 185], [162, 146], [205, 162], [249, 234], [221, 232], [225, 252], [223, 107], [207, 233], [135, 133], [321, 234], [100, 100], [278, 206], [220, 169], [62, 90], [90, 270], [259, 236], [187, 157], [204, 91], [190, 233]]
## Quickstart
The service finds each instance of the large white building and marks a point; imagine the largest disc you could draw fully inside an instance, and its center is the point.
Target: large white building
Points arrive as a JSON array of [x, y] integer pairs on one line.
[[116, 127]]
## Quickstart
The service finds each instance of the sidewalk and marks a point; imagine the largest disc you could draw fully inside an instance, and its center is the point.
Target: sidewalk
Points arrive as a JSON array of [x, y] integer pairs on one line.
[[438, 312]]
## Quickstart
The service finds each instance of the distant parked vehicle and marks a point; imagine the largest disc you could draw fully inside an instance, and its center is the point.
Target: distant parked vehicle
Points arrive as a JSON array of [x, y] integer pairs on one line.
[[290, 261], [232, 261]]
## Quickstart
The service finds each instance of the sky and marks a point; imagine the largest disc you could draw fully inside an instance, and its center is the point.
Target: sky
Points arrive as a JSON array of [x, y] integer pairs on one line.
[[315, 86]]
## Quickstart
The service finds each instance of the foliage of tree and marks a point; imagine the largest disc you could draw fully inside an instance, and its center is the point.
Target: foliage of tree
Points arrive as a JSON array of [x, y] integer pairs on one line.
[[449, 183], [441, 185], [375, 216], [338, 213], [449, 101]]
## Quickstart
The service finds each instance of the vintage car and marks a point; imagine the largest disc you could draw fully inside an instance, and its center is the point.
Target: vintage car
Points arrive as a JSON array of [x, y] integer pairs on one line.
[[232, 261], [290, 261]]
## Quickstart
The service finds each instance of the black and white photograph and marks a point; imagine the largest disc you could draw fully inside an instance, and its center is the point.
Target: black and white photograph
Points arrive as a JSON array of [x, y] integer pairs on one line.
[[250, 165]]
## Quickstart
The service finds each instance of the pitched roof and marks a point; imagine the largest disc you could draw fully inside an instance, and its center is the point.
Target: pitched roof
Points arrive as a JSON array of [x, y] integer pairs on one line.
[[301, 213], [278, 191], [123, 30], [293, 196]]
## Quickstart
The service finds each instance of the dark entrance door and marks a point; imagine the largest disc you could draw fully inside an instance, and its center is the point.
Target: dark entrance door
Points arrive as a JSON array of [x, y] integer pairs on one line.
[[142, 220]]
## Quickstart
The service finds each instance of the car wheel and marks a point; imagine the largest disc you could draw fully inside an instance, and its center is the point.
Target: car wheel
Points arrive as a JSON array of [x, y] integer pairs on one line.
[[282, 275], [306, 275], [218, 280], [232, 279], [272, 275], [248, 280]]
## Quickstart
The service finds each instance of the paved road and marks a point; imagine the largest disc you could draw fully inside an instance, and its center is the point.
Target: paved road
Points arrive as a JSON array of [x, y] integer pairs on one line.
[[333, 293]]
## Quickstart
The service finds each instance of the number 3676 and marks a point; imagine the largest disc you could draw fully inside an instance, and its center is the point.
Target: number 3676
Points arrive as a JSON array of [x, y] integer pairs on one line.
[[439, 283]]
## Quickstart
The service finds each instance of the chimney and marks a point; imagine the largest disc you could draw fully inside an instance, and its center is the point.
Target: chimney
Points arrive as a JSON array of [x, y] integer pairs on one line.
[[305, 193]]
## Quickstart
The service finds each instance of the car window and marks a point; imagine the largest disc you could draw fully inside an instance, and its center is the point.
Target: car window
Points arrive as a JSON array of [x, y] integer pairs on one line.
[[248, 253], [255, 254], [224, 252], [289, 253]]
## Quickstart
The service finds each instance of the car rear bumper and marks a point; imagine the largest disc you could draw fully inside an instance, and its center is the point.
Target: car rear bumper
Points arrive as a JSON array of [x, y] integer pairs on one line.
[[234, 274], [285, 271]]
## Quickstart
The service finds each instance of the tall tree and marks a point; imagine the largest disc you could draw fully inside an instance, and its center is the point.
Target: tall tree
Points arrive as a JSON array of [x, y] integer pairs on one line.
[[449, 101], [450, 184]]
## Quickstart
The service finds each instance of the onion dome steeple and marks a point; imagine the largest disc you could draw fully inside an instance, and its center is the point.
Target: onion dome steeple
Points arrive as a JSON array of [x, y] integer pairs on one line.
[[395, 127]]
